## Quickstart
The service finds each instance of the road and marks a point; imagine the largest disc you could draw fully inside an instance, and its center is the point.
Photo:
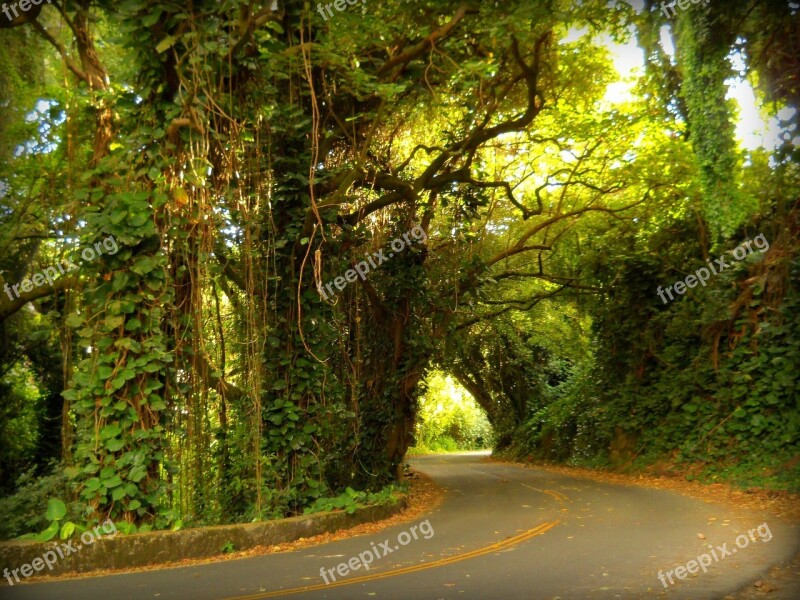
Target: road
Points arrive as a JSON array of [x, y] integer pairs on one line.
[[502, 532]]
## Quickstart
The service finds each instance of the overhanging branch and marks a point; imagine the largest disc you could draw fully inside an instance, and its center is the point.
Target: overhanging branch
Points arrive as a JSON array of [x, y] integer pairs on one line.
[[522, 307]]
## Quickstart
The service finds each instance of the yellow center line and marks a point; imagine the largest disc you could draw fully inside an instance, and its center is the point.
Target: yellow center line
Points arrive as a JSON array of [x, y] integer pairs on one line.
[[557, 495], [507, 543]]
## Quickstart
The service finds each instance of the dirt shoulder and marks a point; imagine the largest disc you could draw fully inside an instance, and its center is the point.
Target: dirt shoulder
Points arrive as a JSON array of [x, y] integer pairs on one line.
[[783, 505]]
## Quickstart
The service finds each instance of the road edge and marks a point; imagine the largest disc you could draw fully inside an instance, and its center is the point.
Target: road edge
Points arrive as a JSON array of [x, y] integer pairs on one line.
[[158, 549]]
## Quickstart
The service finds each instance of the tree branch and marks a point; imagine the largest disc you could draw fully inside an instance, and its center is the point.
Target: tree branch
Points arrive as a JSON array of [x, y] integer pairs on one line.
[[71, 65], [523, 308], [417, 50], [567, 281], [9, 307], [520, 245]]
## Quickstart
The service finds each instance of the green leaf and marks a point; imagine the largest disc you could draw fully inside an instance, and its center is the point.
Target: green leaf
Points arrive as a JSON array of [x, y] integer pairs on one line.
[[113, 322], [115, 445], [166, 44], [49, 533], [119, 281], [56, 509], [75, 320], [152, 18], [128, 343], [125, 527], [137, 474], [67, 530], [113, 482], [118, 216], [110, 431], [144, 265]]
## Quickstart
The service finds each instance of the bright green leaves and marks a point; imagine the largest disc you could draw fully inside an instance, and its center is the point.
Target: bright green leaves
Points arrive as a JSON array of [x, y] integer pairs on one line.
[[166, 43], [56, 510], [449, 419], [350, 499], [114, 481], [67, 530], [49, 533]]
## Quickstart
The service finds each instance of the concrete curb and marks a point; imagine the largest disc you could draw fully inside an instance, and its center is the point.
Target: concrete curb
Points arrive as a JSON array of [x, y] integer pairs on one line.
[[159, 547]]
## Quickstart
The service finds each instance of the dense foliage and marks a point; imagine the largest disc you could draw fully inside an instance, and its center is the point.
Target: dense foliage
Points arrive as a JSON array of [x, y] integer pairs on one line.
[[449, 418], [241, 155]]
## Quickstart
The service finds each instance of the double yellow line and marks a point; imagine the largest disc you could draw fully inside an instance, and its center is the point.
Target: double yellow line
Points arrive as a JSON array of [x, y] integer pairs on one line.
[[507, 543]]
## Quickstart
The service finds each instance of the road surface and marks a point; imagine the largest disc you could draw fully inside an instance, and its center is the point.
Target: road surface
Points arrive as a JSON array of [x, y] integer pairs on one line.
[[502, 532]]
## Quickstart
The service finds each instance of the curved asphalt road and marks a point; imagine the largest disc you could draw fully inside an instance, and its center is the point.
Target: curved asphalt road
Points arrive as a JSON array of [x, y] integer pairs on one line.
[[502, 532]]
